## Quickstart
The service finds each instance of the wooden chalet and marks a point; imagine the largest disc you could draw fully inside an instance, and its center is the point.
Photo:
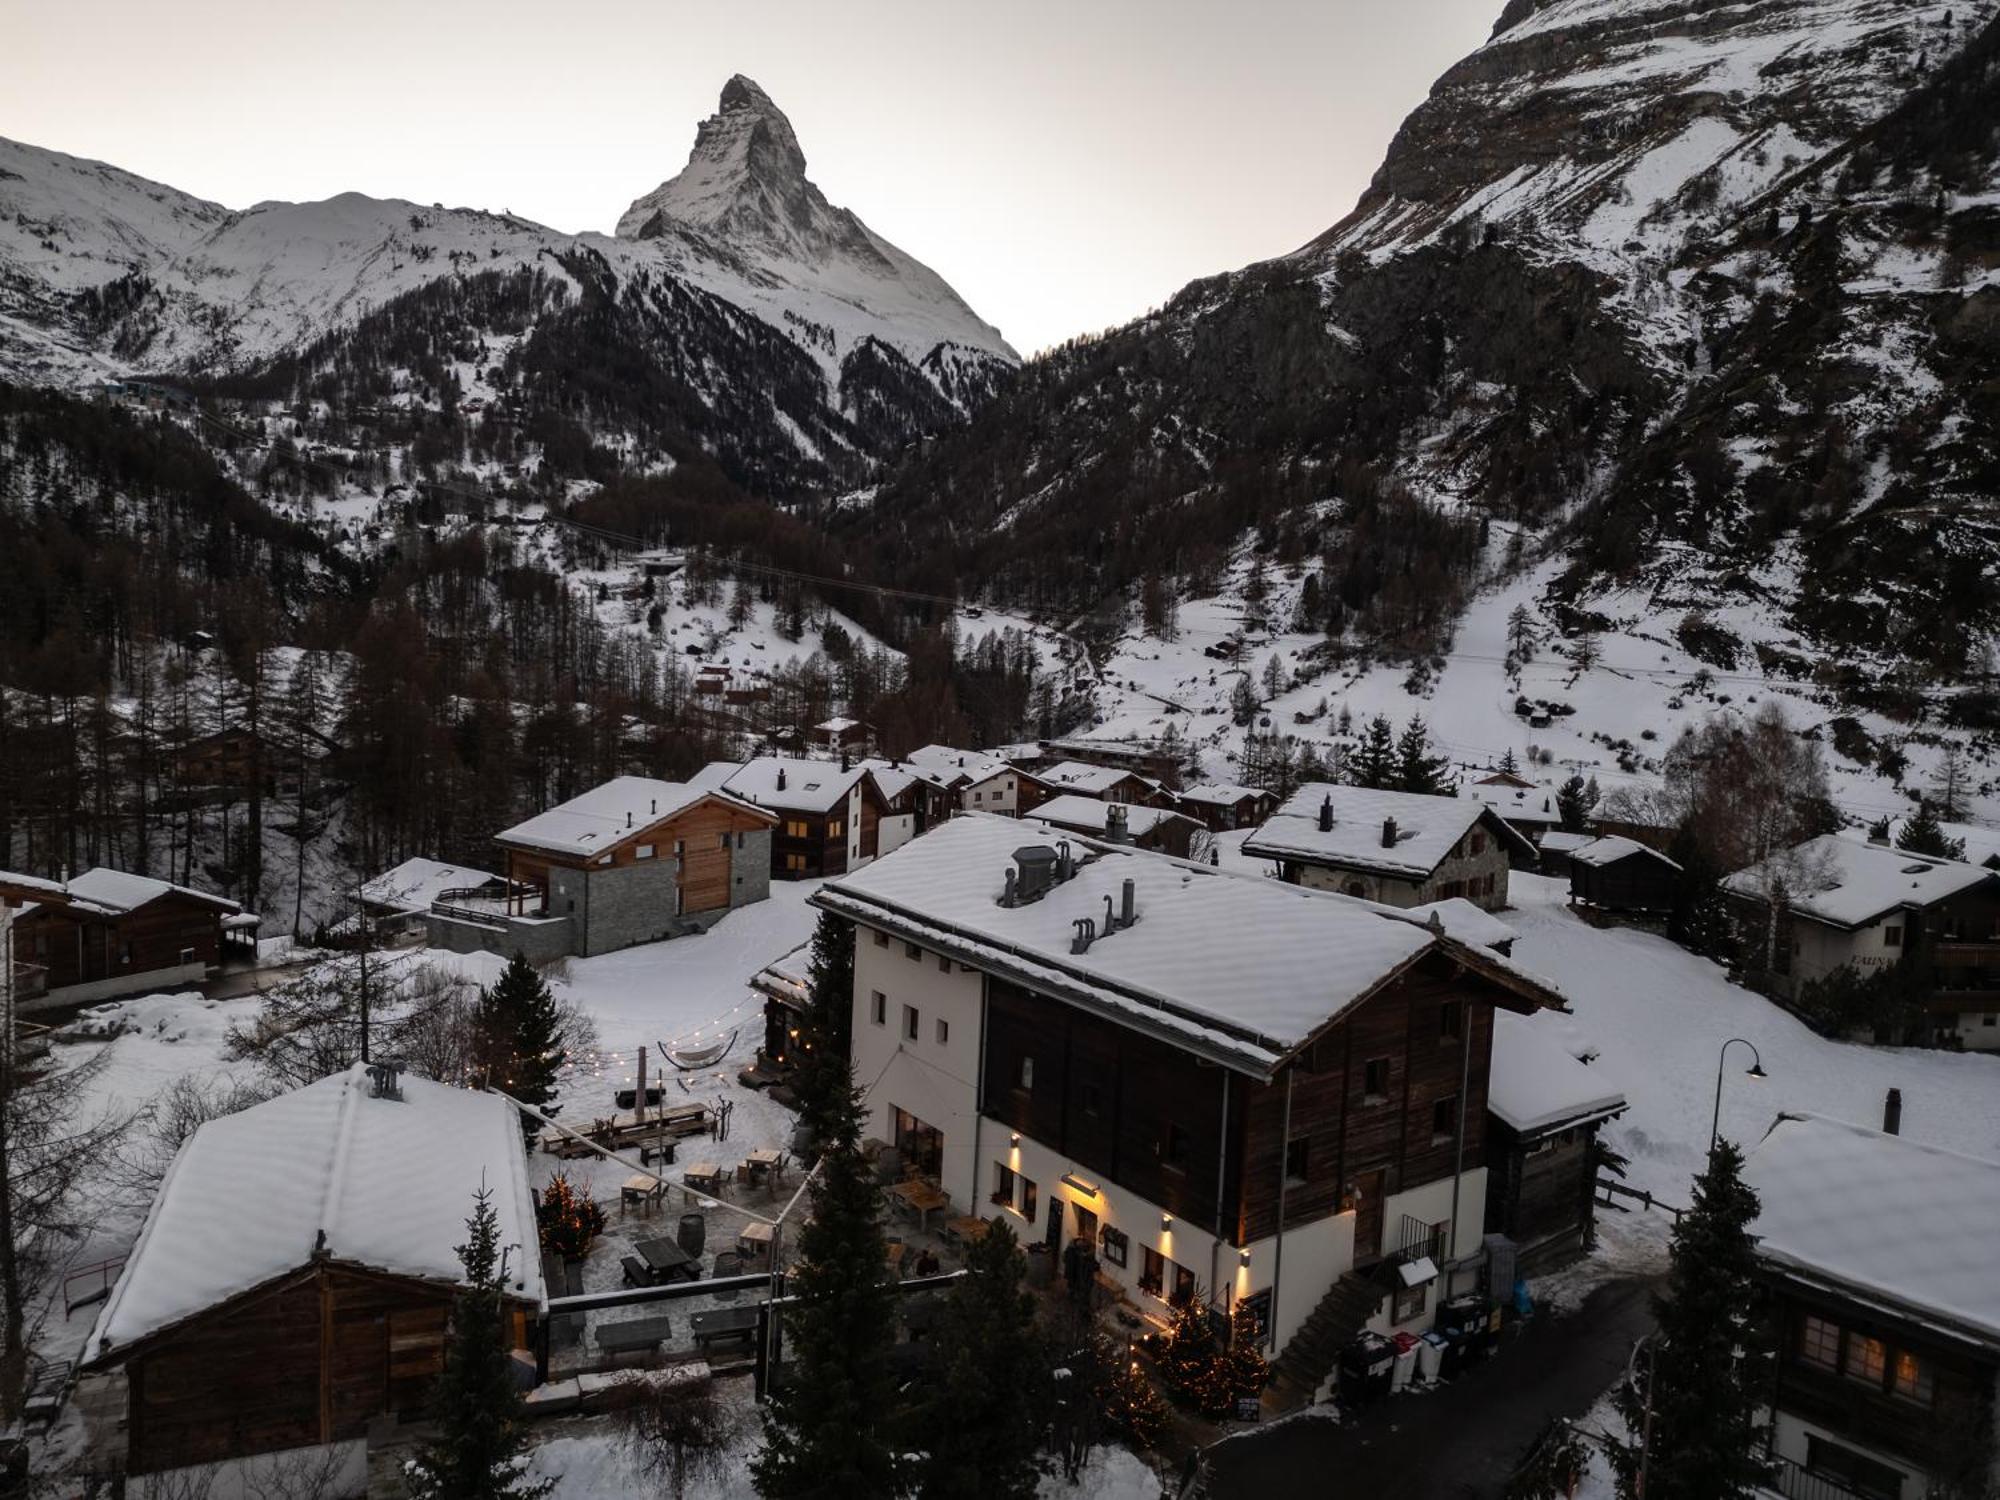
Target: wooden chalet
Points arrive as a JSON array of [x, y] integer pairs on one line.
[[1222, 807], [1219, 1086], [1876, 1258], [632, 861], [1078, 778], [294, 1277], [113, 933], [828, 816], [840, 735], [1152, 828], [1614, 876], [979, 783]]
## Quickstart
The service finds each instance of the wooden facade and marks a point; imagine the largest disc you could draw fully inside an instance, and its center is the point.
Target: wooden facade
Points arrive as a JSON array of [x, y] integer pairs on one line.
[[809, 843], [78, 945], [701, 835], [1541, 1190], [309, 1358], [1636, 883], [1373, 1105]]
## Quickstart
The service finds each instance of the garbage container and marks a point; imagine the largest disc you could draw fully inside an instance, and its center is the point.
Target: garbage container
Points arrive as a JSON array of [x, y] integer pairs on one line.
[[1430, 1356], [1365, 1367], [1406, 1360], [1463, 1321]]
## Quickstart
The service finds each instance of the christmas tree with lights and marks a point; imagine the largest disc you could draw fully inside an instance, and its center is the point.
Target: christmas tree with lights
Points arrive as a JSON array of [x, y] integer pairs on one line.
[[569, 1220], [1247, 1368]]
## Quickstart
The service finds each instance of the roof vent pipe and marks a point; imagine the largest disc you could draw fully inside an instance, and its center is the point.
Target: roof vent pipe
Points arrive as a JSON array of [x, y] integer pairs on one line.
[[1128, 913], [1326, 814], [1010, 892], [1892, 1113], [1110, 915], [781, 778], [656, 806], [1086, 934], [1388, 833]]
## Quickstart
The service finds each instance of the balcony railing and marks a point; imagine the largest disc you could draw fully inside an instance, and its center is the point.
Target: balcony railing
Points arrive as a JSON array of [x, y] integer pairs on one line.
[[31, 981], [1797, 1482], [1420, 1238], [490, 905]]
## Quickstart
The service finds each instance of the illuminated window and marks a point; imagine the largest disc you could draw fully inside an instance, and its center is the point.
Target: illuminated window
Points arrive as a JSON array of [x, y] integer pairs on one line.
[[1004, 1180], [795, 862], [1912, 1378], [1867, 1359], [795, 828], [1819, 1345], [835, 827]]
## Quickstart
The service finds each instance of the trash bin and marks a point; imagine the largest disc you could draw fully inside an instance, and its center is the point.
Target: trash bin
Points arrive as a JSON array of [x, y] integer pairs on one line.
[[1430, 1356], [1406, 1360], [1463, 1322], [1365, 1367]]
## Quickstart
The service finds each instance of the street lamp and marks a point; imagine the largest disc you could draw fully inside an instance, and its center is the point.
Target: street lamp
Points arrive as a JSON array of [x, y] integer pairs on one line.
[[1755, 1070]]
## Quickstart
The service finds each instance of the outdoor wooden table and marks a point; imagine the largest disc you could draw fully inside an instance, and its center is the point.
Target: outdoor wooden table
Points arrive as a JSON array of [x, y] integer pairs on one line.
[[963, 1229], [705, 1175], [723, 1325], [764, 1157], [639, 1188], [668, 1261], [921, 1199], [634, 1333], [755, 1240]]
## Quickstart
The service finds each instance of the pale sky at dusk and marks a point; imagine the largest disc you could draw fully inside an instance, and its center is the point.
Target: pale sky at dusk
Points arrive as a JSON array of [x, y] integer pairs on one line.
[[1064, 165]]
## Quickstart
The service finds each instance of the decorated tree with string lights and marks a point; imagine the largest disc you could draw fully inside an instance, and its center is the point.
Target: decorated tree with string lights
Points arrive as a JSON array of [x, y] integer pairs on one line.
[[1133, 1405], [1194, 1368], [1244, 1360], [569, 1220], [819, 1054]]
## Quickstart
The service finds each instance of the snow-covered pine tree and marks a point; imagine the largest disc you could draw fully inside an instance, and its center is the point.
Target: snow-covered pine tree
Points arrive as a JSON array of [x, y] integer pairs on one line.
[[1374, 761], [981, 1427], [1573, 804], [1417, 769], [480, 1448], [1706, 1370], [1924, 834], [830, 1426]]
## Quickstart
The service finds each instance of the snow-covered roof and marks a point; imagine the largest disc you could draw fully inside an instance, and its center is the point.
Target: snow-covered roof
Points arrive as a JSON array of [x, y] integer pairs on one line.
[[1883, 1217], [1092, 781], [1846, 884], [1612, 848], [1518, 804], [1465, 921], [1561, 841], [416, 883], [115, 892], [327, 1169], [809, 785], [1538, 1084], [836, 726], [1219, 794], [1238, 969], [20, 887], [1427, 829], [787, 977], [1089, 815], [893, 780], [602, 817], [971, 764]]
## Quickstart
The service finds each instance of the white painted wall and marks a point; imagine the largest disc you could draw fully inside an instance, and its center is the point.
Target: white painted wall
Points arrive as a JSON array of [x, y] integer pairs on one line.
[[854, 827], [996, 794], [894, 831], [1789, 1434]]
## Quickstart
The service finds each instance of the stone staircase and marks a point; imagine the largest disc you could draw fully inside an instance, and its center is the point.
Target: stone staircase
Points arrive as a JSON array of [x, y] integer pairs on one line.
[[1298, 1374]]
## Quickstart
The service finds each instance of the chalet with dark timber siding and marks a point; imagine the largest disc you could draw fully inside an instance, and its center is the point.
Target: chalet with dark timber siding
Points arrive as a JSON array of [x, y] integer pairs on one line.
[[1220, 808], [1615, 876], [118, 934], [1180, 1069], [1875, 1256], [333, 1312], [828, 815]]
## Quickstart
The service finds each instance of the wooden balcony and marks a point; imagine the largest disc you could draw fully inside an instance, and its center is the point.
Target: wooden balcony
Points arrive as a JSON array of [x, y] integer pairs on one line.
[[31, 981]]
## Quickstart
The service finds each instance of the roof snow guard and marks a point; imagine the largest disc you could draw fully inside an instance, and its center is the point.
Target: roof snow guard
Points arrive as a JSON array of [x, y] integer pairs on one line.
[[1240, 971]]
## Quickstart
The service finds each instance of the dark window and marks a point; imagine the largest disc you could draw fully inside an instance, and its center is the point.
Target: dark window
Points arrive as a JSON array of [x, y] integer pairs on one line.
[[881, 939], [1090, 1098], [1116, 1246], [1892, 937], [1178, 1147], [1183, 1285], [943, 1031], [1086, 1222], [1444, 1119], [909, 1023], [1298, 1158], [911, 950], [1451, 1020], [1029, 1200], [878, 1007], [1004, 1179], [1858, 1472], [1375, 1079], [1479, 841], [1153, 1272], [944, 964], [1024, 1074]]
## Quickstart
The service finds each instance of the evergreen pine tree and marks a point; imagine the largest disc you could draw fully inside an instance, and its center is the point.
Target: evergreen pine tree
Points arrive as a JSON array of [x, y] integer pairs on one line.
[[1507, 762], [1573, 804], [1190, 1362], [982, 1427], [520, 1033], [1374, 761], [828, 1423], [480, 1447], [1706, 1368], [1417, 770], [1924, 834], [820, 1069]]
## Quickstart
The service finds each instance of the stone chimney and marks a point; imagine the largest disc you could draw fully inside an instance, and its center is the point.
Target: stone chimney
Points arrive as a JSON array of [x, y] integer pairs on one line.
[[1115, 824], [1892, 1113], [1326, 814]]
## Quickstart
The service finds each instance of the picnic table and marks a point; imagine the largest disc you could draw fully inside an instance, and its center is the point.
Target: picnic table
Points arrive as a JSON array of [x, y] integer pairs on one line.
[[922, 1199], [705, 1175], [667, 1261], [755, 1240], [963, 1229], [724, 1325], [634, 1333]]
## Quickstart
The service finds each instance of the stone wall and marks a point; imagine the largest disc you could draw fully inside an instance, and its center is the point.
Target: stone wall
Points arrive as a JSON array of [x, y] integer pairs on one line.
[[540, 940], [750, 869], [627, 904]]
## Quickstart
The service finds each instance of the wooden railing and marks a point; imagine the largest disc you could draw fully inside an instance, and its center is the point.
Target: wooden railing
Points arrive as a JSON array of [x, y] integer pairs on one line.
[[1611, 1191], [31, 981]]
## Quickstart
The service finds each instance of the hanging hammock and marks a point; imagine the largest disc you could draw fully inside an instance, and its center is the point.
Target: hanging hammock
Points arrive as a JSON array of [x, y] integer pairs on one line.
[[693, 1059]]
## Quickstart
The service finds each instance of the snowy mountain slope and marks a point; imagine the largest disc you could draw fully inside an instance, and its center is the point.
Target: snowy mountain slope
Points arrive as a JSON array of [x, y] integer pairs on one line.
[[104, 274]]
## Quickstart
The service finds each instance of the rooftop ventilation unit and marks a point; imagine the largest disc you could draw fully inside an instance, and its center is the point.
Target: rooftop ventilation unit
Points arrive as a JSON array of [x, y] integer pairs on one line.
[[1033, 874], [382, 1080]]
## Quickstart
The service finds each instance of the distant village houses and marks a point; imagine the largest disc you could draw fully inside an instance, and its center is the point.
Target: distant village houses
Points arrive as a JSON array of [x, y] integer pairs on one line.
[[106, 933]]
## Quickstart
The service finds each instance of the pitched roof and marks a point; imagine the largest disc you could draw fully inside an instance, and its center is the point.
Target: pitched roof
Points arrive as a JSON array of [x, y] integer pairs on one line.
[[1220, 793], [1846, 884], [416, 883], [1465, 921], [971, 764], [1882, 1217], [115, 892], [1523, 803], [809, 785], [787, 978], [1538, 1084], [1092, 781], [385, 1184], [1238, 969], [601, 818], [1561, 841], [1427, 829], [1089, 815], [1612, 848]]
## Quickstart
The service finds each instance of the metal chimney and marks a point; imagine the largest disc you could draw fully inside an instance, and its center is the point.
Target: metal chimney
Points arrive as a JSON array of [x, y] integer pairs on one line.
[[1115, 825], [1892, 1113], [781, 778], [1388, 833], [1127, 910], [1326, 814]]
